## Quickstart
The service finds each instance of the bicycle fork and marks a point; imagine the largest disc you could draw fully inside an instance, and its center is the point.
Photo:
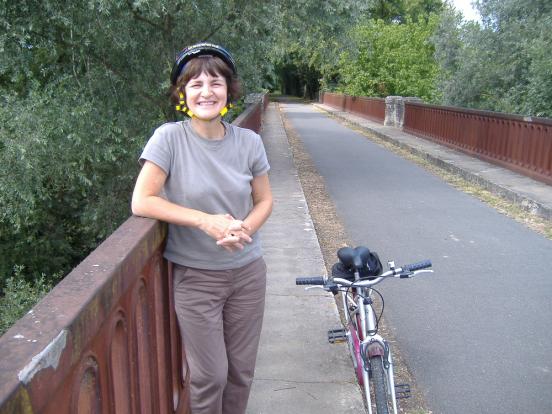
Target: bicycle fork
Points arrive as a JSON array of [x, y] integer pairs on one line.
[[374, 345], [377, 346]]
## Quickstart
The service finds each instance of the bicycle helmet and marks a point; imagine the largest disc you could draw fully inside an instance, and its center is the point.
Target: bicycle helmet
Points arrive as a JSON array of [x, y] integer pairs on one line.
[[200, 49]]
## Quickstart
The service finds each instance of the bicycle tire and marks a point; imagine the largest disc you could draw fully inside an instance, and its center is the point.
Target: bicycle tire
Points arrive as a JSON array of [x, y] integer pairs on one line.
[[378, 380]]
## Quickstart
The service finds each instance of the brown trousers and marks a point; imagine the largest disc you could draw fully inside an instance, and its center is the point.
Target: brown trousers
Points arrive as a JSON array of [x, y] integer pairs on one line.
[[220, 314]]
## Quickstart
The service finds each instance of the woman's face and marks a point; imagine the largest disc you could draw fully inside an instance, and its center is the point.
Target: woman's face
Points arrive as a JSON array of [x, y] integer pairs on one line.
[[206, 95]]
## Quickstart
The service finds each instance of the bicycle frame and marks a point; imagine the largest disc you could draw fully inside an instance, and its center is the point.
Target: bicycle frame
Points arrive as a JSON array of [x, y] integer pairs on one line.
[[363, 340]]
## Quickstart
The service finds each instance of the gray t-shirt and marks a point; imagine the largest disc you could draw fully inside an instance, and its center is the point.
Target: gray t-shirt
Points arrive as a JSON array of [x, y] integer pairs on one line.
[[213, 176]]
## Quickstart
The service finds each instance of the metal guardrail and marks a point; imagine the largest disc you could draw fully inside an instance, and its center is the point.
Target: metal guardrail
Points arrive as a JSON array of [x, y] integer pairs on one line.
[[371, 108], [251, 118], [105, 339], [521, 144]]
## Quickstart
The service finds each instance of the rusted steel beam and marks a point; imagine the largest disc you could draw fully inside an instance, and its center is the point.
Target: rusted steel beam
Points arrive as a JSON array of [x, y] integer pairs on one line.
[[99, 342], [370, 108], [522, 144], [252, 117], [105, 339]]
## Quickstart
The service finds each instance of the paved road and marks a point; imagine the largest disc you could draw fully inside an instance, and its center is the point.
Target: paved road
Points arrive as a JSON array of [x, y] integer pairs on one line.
[[477, 334]]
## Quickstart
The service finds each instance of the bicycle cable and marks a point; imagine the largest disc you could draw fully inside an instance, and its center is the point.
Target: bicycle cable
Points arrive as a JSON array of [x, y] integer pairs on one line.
[[378, 318]]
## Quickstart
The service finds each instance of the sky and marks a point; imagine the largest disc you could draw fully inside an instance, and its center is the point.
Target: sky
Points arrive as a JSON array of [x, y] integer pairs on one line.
[[466, 8]]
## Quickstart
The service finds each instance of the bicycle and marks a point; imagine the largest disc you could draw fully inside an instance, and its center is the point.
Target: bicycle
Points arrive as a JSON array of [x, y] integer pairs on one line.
[[354, 276]]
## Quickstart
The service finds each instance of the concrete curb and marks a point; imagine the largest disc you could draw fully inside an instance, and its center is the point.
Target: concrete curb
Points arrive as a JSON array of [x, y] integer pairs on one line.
[[530, 195]]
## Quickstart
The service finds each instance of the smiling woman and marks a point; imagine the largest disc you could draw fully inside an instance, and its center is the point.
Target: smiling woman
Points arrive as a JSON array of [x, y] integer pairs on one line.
[[204, 70], [208, 179], [206, 96]]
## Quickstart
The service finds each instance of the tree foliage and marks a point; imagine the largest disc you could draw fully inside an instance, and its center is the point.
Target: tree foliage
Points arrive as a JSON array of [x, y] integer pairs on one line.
[[314, 35], [310, 36], [83, 85], [19, 296], [400, 11], [390, 58], [501, 64]]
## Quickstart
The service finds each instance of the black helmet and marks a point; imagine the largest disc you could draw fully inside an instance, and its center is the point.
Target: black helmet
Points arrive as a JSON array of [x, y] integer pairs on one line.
[[200, 49]]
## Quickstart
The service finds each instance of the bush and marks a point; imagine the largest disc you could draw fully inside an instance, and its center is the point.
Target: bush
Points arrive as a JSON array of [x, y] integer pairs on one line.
[[19, 296], [67, 178], [390, 59]]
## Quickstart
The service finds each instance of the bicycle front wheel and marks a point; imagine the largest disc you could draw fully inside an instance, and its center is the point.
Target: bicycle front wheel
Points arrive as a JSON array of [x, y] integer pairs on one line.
[[380, 389]]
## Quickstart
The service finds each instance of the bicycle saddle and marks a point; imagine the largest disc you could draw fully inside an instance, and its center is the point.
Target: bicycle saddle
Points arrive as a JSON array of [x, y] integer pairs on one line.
[[359, 258], [355, 258]]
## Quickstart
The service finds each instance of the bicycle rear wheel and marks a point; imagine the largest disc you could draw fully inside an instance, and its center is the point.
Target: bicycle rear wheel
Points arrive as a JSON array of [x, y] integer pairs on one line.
[[380, 388]]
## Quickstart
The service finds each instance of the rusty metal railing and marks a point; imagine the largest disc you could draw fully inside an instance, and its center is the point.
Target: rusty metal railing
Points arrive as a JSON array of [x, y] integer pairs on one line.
[[522, 144], [251, 118], [105, 339], [371, 108]]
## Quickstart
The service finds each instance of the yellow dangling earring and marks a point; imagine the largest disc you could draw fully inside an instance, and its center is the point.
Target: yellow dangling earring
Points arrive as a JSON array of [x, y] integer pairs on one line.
[[181, 107], [225, 109]]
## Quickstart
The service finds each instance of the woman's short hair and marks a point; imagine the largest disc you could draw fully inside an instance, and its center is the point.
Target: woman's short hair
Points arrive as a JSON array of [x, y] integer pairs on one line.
[[212, 65]]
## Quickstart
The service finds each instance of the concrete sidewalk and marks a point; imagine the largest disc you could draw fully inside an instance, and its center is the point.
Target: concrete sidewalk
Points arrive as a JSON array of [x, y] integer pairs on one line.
[[298, 371], [529, 194]]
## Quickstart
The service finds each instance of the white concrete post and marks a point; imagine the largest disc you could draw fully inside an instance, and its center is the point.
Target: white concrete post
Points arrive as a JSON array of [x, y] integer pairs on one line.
[[394, 110]]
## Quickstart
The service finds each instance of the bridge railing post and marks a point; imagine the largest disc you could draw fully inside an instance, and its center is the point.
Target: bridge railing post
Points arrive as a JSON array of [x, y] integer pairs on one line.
[[395, 110]]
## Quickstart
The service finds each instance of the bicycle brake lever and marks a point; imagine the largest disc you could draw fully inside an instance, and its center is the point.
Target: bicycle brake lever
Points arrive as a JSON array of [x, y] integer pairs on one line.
[[314, 287], [332, 287], [406, 274], [412, 274]]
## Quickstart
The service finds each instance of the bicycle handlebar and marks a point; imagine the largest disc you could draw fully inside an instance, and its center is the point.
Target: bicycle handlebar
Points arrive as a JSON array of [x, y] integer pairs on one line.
[[316, 280], [405, 271], [417, 266]]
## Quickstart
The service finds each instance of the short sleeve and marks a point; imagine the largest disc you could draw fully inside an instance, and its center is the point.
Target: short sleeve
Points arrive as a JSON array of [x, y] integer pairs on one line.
[[259, 165], [158, 150]]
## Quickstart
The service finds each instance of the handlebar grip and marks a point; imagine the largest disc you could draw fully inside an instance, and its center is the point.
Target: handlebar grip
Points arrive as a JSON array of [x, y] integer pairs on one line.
[[417, 266], [316, 280]]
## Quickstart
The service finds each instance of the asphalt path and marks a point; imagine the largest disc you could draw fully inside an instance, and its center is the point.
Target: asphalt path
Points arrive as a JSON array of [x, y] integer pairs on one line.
[[477, 334]]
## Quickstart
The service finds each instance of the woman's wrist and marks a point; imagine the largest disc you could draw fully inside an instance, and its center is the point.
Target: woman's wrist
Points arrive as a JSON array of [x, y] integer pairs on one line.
[[247, 228], [201, 220]]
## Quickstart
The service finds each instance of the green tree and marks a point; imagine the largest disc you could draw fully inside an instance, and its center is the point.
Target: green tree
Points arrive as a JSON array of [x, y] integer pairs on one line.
[[400, 11], [83, 85], [501, 64], [390, 59], [20, 295], [309, 38]]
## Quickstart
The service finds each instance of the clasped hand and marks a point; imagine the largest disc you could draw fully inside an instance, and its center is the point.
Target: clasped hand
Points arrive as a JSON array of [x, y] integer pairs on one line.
[[228, 232]]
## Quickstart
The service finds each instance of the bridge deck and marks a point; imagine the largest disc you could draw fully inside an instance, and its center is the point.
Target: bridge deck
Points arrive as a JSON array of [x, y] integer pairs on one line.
[[476, 334]]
